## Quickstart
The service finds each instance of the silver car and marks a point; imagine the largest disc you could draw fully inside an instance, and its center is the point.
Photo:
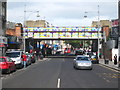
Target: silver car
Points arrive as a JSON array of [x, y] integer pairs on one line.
[[82, 62]]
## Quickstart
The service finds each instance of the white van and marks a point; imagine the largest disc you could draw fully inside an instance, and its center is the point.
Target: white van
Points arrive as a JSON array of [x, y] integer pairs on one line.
[[17, 57]]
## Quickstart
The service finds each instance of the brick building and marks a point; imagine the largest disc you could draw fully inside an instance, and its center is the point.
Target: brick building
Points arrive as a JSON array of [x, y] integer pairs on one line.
[[14, 36]]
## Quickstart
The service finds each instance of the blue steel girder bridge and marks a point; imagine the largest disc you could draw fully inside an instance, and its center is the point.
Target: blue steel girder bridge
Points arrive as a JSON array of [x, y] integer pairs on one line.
[[61, 33]]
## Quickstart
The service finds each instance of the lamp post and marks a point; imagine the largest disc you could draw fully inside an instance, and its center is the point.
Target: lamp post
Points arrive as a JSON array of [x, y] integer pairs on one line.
[[98, 30], [119, 33], [25, 21], [85, 16]]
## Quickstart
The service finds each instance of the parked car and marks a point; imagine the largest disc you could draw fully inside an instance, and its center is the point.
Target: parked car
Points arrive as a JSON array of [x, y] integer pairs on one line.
[[32, 57], [94, 59], [29, 59], [82, 62], [17, 57], [7, 65]]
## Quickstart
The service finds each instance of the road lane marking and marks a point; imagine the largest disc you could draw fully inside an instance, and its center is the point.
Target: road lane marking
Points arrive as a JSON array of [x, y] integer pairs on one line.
[[104, 78], [58, 83], [109, 68], [108, 81]]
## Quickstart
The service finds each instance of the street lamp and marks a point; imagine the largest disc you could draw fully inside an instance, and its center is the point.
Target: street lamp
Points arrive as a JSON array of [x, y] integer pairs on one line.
[[98, 30], [25, 21], [119, 33], [85, 16]]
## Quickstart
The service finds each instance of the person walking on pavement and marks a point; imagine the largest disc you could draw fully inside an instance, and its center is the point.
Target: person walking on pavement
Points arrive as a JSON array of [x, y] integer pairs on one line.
[[38, 53], [24, 59], [115, 59], [119, 62]]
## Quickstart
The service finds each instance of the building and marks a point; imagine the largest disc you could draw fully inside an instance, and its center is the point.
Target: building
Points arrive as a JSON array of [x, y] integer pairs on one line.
[[110, 41], [102, 23], [105, 25], [105, 50], [3, 39], [37, 23], [14, 35]]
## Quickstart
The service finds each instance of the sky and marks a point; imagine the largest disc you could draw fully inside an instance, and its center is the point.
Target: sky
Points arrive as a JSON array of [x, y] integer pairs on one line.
[[62, 12]]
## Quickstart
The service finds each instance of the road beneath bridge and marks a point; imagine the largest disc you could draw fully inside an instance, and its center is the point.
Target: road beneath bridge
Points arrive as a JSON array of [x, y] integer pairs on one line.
[[59, 73]]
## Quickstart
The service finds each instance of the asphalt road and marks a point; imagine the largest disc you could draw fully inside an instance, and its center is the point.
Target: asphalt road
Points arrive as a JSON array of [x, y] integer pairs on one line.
[[59, 73]]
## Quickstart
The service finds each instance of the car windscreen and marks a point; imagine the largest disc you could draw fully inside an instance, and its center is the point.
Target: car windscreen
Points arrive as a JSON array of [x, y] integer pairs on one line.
[[83, 59], [2, 60], [13, 54], [93, 57]]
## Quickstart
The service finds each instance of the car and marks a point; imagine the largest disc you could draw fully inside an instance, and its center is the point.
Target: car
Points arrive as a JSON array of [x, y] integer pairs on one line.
[[89, 54], [79, 52], [7, 65], [67, 50], [32, 57], [94, 59], [16, 56], [82, 62], [29, 58]]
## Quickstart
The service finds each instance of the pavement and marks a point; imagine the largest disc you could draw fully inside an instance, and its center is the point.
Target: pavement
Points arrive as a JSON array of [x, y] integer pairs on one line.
[[110, 64]]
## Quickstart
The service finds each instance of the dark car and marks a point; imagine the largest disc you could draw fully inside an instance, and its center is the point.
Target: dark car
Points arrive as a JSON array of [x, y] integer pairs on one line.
[[79, 52], [94, 59], [32, 57], [7, 65]]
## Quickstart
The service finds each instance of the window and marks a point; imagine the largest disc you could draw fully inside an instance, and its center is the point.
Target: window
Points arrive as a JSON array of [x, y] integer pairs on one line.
[[13, 54], [83, 58], [9, 60], [2, 60]]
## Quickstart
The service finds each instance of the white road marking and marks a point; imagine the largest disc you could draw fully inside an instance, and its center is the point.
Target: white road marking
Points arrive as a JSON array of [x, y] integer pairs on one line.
[[108, 81], [58, 83]]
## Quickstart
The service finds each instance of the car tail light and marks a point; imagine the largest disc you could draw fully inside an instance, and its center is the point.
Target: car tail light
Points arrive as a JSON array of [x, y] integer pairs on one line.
[[4, 65], [32, 56]]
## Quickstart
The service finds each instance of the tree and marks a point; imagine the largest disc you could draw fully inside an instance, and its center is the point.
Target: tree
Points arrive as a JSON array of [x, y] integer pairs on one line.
[[74, 43]]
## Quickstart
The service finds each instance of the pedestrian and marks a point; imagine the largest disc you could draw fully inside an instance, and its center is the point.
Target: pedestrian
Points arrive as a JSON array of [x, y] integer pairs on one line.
[[24, 59], [115, 59], [119, 62]]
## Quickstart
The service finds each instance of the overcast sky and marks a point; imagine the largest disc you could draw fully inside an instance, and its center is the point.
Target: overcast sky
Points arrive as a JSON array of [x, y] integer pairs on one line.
[[62, 12]]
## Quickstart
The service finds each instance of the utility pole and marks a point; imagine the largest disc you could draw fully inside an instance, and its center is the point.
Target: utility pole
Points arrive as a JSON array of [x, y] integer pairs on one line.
[[98, 30], [24, 26], [25, 11], [85, 16], [119, 32]]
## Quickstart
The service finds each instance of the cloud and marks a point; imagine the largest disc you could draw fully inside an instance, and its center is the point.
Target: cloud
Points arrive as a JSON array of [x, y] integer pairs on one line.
[[62, 12], [61, 1]]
